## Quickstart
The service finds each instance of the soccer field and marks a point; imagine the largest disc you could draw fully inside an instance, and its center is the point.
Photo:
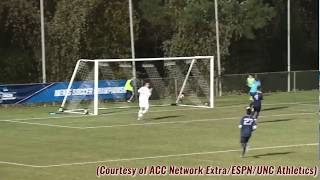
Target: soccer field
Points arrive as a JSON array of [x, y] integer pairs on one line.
[[37, 146]]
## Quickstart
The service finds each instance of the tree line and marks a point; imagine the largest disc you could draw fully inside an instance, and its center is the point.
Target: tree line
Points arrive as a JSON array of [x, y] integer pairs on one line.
[[252, 34]]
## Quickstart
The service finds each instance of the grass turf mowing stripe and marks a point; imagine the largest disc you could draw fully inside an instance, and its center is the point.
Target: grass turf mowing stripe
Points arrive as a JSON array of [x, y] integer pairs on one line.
[[154, 157], [308, 103], [148, 123]]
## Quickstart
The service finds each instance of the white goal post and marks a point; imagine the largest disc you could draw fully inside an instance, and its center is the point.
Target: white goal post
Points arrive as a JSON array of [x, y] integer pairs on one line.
[[99, 84]]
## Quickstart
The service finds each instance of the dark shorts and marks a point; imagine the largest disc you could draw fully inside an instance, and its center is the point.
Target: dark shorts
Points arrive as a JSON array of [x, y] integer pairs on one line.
[[257, 108], [128, 94], [244, 139]]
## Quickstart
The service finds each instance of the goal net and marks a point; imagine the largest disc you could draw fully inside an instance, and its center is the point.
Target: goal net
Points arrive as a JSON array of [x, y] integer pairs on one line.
[[99, 84]]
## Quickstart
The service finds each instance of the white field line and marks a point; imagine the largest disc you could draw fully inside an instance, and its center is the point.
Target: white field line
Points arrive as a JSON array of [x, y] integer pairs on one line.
[[157, 111], [154, 157], [151, 123], [40, 124], [77, 116]]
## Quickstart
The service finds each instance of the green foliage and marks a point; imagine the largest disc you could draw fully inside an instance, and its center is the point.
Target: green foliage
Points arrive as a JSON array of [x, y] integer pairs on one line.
[[74, 29], [100, 29], [19, 30], [195, 32], [23, 20], [87, 29]]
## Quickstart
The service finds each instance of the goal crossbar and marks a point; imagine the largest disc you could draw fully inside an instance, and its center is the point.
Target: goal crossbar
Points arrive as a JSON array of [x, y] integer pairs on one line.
[[147, 59]]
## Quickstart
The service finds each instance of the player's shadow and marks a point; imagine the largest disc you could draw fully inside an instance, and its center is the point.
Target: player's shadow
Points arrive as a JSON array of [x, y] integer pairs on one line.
[[275, 108], [276, 120], [271, 154], [120, 111], [165, 117]]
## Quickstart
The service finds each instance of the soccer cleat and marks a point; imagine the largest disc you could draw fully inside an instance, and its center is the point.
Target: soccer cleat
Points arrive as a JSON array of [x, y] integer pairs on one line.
[[139, 118], [129, 101]]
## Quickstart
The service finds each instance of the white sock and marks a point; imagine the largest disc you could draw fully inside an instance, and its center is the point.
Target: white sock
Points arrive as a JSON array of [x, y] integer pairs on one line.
[[140, 113]]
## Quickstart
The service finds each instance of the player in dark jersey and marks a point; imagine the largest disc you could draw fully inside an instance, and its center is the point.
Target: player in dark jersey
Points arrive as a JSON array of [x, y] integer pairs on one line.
[[247, 126], [256, 103]]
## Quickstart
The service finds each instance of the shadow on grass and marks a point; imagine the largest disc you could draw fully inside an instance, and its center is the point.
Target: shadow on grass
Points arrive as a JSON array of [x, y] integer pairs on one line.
[[276, 120], [275, 108], [112, 112], [165, 117], [271, 154]]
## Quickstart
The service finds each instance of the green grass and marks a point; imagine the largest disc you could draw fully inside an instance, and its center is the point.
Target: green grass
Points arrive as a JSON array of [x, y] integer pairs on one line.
[[286, 119]]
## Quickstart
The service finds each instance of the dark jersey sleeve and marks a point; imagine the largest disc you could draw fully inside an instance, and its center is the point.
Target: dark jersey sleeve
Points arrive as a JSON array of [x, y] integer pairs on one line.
[[241, 122]]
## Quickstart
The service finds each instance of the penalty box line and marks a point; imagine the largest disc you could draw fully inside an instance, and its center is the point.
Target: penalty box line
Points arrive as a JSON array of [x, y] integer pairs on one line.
[[154, 157], [149, 123], [158, 111]]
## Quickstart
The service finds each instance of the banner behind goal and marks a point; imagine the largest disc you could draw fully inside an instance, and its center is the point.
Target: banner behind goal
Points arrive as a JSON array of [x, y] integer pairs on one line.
[[99, 84]]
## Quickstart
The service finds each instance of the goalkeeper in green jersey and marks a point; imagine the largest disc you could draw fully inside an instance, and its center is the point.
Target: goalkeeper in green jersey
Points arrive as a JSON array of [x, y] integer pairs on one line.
[[129, 90]]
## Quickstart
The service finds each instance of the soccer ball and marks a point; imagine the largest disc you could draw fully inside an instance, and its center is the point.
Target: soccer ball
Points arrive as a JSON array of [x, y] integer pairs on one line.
[[86, 111], [181, 96]]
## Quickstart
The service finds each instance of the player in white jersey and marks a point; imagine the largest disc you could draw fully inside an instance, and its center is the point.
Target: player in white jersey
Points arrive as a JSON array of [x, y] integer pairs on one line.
[[144, 95]]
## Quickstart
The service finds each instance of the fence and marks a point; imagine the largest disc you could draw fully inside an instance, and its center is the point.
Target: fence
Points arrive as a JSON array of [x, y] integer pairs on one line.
[[272, 81]]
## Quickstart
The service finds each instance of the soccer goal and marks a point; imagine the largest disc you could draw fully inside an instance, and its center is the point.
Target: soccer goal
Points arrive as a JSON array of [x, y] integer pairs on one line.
[[99, 84]]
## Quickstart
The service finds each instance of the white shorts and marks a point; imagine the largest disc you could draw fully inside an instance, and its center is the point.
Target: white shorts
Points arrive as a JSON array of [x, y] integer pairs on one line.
[[144, 104]]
